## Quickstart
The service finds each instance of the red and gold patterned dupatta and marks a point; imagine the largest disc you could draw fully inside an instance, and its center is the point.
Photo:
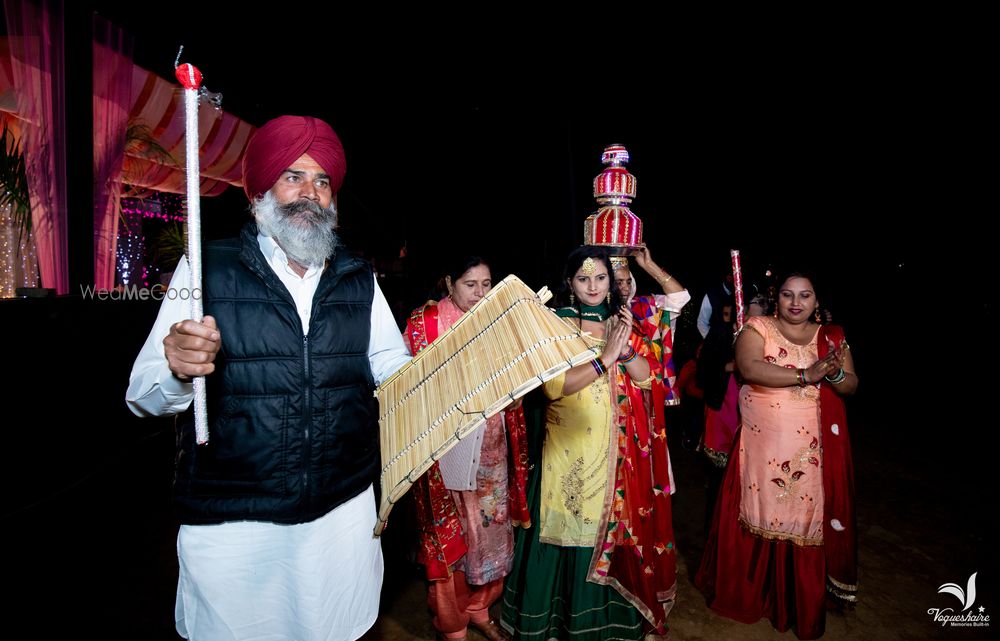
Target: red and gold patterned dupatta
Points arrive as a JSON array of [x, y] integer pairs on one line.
[[637, 556], [840, 538]]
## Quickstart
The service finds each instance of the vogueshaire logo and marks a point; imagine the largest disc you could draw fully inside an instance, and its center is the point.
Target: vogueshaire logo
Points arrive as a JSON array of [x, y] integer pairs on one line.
[[965, 618]]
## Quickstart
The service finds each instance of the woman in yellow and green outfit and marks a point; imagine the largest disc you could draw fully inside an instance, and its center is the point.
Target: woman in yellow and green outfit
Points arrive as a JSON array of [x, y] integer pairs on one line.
[[600, 561]]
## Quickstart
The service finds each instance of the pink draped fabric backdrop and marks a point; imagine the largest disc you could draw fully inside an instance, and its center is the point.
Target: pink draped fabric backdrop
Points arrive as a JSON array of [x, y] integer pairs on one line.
[[37, 43], [112, 101]]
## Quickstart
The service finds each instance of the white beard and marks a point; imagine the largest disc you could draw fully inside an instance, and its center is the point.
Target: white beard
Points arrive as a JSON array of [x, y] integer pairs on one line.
[[303, 229]]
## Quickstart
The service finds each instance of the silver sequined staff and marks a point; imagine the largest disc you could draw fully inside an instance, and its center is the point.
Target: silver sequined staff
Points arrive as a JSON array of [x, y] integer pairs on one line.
[[190, 79]]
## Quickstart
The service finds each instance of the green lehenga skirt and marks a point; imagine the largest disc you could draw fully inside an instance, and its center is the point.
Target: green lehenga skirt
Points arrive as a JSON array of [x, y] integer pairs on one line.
[[547, 595]]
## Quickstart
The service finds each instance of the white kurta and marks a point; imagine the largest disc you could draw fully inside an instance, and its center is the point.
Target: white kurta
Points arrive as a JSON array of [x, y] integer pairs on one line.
[[254, 580]]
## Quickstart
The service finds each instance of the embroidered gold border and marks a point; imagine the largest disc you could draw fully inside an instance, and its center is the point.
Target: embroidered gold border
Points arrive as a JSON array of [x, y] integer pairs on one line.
[[779, 536]]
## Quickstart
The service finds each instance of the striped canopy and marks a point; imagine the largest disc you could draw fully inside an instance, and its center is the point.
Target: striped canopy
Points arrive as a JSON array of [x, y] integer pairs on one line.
[[158, 104]]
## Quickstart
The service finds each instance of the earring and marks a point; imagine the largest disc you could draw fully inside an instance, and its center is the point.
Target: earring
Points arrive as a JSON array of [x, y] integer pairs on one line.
[[572, 300], [816, 316], [608, 298]]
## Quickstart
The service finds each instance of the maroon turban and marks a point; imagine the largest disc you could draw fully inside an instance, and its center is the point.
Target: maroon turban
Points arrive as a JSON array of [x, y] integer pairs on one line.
[[280, 142]]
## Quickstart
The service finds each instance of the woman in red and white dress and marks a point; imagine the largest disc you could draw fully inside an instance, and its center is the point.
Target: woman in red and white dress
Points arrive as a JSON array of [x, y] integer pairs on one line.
[[468, 502]]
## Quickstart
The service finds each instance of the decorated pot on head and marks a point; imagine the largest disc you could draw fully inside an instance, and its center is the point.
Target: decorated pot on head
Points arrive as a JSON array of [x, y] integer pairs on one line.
[[614, 226]]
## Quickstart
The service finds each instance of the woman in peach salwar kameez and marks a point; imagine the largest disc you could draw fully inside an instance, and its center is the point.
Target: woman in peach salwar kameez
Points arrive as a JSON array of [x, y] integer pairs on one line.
[[783, 536]]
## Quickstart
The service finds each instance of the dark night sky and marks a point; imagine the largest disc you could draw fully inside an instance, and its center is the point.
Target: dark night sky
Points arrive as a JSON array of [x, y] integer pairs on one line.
[[821, 148], [855, 153]]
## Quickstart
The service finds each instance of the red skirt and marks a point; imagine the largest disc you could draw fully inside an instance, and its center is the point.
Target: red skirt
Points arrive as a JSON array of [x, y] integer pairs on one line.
[[746, 578]]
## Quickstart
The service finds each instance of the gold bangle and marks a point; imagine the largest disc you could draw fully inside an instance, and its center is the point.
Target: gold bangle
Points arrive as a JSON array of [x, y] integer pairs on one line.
[[666, 280], [644, 384]]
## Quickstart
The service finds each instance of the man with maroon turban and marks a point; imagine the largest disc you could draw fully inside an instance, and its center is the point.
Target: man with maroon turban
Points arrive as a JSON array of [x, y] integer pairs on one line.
[[278, 508]]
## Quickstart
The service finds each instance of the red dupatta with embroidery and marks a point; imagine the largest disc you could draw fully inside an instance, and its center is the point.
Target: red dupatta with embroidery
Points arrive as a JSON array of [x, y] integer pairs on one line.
[[840, 537], [653, 325], [637, 556]]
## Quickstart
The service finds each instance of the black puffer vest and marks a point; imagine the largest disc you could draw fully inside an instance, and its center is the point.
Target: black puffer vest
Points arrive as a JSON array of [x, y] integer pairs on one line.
[[292, 418]]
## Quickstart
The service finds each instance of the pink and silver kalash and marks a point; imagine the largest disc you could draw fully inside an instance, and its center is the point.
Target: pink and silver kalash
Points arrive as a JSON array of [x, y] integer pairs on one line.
[[614, 226]]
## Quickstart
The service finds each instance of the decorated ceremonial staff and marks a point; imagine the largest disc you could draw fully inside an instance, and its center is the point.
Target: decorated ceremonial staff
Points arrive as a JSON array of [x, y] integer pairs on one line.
[[190, 78], [738, 288]]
